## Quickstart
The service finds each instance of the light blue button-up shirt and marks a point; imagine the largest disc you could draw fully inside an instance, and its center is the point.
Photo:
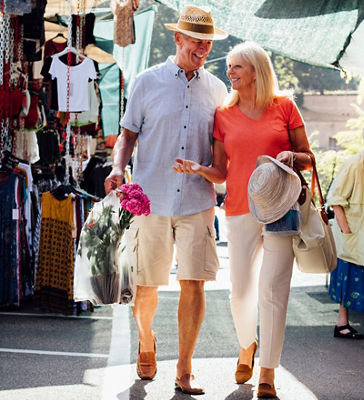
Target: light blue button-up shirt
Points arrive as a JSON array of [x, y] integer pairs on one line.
[[174, 118]]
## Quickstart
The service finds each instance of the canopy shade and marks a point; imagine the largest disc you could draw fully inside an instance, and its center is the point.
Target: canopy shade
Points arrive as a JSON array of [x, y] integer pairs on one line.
[[328, 33]]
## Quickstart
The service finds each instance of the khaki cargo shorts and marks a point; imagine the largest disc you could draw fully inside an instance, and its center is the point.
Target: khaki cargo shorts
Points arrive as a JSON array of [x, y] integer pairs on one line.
[[152, 239]]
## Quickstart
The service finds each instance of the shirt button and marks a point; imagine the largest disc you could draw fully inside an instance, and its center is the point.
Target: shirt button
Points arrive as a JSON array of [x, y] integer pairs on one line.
[[188, 86], [181, 70], [185, 126], [178, 190], [182, 148], [186, 106]]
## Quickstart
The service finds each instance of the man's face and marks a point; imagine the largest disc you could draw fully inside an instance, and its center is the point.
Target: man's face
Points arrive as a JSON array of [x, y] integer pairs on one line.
[[191, 52]]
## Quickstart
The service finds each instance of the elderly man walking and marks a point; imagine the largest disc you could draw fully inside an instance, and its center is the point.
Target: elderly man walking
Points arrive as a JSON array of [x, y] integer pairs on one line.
[[170, 114]]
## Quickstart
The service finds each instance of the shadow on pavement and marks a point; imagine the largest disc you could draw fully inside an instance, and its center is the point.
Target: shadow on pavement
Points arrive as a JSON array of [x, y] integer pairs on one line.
[[244, 392]]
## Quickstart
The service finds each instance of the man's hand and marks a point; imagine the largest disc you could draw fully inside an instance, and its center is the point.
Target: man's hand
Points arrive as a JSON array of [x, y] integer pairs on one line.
[[113, 180], [186, 166]]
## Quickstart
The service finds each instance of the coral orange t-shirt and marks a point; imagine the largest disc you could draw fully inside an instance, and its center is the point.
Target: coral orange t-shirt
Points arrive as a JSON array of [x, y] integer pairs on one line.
[[245, 139]]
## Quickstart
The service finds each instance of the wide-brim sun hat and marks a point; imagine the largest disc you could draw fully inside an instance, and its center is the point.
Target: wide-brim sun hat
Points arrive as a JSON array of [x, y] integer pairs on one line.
[[273, 189], [197, 22]]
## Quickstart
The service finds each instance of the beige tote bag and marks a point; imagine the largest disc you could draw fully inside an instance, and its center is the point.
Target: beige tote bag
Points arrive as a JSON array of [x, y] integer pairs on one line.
[[314, 248]]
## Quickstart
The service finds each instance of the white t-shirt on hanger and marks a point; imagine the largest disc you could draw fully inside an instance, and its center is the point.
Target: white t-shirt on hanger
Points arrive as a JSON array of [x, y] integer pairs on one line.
[[79, 76]]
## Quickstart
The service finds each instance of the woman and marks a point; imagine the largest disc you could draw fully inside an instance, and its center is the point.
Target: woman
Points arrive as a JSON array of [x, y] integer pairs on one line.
[[256, 120], [347, 280]]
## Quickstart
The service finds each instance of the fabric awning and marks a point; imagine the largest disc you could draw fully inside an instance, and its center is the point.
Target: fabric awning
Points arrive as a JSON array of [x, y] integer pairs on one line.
[[325, 33]]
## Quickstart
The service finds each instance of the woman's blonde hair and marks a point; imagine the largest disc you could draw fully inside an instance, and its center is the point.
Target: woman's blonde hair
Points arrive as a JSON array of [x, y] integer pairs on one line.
[[265, 78]]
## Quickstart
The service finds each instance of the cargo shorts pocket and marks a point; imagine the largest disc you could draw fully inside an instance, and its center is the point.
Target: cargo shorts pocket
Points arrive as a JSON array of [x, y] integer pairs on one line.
[[211, 262]]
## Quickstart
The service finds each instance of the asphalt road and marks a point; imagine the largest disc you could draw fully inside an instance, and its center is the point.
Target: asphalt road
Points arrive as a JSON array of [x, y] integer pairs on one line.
[[92, 357]]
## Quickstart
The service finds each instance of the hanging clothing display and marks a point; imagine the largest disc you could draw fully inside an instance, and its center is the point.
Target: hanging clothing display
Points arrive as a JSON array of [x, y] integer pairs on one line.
[[39, 229], [33, 31], [53, 285], [123, 10], [27, 146], [49, 145], [91, 115], [78, 83], [88, 29], [9, 239]]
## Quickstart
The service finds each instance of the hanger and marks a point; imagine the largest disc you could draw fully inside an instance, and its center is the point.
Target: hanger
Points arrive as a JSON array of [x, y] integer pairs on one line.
[[69, 49], [62, 191], [9, 155], [59, 34]]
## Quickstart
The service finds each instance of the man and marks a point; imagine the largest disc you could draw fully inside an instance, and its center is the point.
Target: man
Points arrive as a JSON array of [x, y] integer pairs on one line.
[[171, 112]]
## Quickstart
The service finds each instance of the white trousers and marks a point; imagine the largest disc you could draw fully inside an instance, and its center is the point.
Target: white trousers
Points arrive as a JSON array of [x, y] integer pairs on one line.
[[247, 245]]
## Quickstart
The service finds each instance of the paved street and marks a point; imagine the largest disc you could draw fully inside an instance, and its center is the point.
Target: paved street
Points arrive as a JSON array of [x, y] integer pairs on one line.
[[92, 357]]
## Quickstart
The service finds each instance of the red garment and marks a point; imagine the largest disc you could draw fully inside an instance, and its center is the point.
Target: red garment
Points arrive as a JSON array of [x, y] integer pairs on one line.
[[30, 121], [51, 47], [5, 103], [16, 97]]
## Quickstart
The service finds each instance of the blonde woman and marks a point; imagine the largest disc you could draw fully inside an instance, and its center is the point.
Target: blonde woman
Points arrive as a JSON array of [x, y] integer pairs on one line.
[[256, 119]]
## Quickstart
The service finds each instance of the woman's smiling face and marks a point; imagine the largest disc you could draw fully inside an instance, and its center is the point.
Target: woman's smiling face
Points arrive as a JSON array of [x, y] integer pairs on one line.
[[240, 73]]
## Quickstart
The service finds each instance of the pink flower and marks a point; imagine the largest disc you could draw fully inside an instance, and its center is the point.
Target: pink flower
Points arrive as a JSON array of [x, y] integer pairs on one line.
[[134, 200]]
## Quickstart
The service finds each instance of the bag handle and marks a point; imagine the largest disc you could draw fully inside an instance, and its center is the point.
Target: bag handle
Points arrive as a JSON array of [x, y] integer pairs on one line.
[[315, 180]]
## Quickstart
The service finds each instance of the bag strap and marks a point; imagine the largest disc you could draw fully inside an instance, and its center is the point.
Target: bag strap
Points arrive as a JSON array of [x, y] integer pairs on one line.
[[315, 180], [314, 176]]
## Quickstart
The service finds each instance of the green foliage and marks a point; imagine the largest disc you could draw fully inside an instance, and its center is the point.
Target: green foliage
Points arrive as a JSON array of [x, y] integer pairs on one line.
[[284, 68], [99, 237]]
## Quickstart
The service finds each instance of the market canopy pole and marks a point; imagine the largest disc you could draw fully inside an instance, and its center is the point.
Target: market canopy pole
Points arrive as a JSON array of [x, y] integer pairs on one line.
[[319, 32]]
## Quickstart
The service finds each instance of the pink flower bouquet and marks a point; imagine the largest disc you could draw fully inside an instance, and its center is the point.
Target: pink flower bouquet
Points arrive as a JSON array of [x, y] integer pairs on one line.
[[133, 202], [102, 255]]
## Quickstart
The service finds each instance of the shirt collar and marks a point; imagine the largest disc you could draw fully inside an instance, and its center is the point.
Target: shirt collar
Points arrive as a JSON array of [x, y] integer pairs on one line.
[[177, 71]]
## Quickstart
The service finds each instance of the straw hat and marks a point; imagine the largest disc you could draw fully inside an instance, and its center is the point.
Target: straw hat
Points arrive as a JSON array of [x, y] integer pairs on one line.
[[197, 23], [273, 189]]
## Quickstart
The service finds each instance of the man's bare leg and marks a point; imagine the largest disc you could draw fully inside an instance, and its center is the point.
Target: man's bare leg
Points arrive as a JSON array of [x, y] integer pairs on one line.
[[144, 309], [191, 312]]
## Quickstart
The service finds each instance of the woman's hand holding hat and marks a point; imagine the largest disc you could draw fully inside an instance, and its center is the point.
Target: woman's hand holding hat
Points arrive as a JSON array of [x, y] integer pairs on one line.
[[286, 157], [273, 189]]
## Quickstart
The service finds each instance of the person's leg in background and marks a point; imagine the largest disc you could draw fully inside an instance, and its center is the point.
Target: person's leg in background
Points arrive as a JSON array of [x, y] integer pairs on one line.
[[216, 225]]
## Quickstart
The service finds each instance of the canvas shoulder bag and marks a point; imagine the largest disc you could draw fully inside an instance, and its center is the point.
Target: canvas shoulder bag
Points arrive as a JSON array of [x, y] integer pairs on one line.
[[314, 248]]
